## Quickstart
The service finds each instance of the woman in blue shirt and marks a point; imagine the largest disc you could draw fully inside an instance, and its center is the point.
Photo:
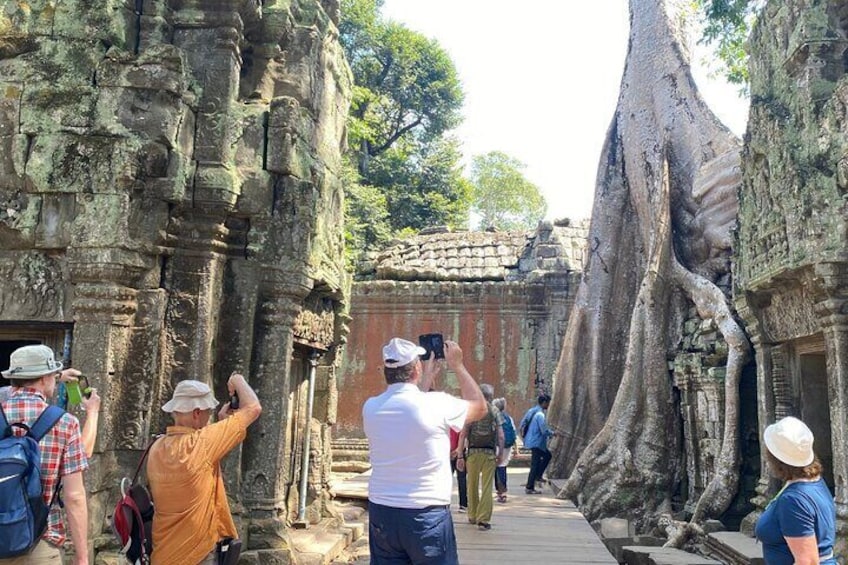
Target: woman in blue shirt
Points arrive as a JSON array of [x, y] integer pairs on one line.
[[799, 524]]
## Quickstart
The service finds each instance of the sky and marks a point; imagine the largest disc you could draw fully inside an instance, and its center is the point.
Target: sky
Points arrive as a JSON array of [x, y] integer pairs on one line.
[[541, 81]]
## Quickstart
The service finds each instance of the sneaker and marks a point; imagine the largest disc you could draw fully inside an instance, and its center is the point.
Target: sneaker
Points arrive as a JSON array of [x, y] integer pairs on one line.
[[484, 526], [463, 509], [501, 498], [532, 491]]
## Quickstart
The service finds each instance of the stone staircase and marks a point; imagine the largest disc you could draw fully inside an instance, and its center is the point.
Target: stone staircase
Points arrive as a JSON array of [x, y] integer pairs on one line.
[[734, 548], [325, 543]]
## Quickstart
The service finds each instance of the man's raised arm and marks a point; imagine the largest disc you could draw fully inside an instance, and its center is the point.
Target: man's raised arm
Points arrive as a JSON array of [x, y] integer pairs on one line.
[[467, 387]]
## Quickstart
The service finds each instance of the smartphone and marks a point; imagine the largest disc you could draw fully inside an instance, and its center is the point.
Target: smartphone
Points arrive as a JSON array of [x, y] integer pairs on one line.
[[75, 390], [234, 401], [434, 343]]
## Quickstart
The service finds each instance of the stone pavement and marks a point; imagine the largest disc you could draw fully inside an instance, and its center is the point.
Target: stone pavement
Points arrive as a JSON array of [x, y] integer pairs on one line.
[[527, 530]]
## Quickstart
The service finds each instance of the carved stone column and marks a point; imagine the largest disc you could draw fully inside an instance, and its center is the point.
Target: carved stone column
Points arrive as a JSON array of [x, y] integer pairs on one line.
[[266, 452], [765, 406], [832, 280], [104, 306]]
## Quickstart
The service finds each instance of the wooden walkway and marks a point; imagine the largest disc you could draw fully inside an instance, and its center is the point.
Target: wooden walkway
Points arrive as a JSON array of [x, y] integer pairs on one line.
[[527, 530]]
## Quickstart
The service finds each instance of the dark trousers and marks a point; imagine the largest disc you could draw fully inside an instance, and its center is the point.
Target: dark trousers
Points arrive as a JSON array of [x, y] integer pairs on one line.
[[408, 536], [462, 484], [538, 463], [500, 480]]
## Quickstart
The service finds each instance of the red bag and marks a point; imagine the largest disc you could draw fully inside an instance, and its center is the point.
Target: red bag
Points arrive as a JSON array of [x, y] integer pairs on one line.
[[132, 520]]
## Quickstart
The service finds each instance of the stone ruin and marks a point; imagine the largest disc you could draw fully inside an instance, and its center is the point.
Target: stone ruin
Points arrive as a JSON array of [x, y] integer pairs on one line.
[[503, 296], [171, 208], [792, 251]]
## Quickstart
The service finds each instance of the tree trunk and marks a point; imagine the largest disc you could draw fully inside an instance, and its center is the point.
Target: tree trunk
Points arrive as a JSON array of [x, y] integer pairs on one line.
[[665, 202]]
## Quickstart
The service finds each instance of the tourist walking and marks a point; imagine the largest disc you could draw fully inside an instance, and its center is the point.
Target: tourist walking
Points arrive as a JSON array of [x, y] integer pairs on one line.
[[799, 524], [409, 491], [484, 443], [33, 372], [508, 425], [184, 472], [461, 476], [536, 439]]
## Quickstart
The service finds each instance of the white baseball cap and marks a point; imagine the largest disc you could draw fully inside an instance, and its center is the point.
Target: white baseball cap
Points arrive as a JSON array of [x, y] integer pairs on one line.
[[399, 352], [791, 441]]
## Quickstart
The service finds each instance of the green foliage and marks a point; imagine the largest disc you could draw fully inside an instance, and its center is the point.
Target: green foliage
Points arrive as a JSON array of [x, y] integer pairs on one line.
[[407, 85], [501, 195], [726, 27], [407, 96]]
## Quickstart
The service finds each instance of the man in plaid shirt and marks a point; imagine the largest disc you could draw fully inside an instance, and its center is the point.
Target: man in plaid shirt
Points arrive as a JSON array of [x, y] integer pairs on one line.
[[33, 372]]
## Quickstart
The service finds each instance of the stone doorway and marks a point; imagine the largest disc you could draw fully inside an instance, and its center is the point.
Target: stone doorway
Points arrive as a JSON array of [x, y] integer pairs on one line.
[[13, 336], [813, 400]]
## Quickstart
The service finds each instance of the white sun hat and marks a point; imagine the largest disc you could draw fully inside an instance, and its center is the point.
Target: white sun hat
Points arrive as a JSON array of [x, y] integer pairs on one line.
[[791, 441], [399, 352], [189, 395], [31, 362]]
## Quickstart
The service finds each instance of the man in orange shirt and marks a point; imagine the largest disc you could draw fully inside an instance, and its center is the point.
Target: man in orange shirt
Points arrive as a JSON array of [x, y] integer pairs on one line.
[[183, 468]]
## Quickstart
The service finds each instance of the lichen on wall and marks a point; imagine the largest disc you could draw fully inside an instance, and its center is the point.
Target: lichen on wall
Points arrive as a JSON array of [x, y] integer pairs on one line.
[[170, 184]]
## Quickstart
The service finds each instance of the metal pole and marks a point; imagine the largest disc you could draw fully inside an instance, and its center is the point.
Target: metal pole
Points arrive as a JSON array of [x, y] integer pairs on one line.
[[302, 522]]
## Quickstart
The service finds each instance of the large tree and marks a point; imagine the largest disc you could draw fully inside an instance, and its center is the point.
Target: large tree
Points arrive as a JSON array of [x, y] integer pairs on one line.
[[659, 240], [406, 84], [502, 196], [407, 97]]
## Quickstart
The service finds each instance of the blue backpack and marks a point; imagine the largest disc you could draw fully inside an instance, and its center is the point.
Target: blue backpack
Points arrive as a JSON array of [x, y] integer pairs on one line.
[[509, 431], [23, 519]]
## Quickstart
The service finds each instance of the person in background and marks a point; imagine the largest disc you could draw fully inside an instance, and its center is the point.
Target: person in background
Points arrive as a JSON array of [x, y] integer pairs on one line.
[[90, 405], [799, 524], [485, 446], [409, 492], [500, 472], [536, 439], [34, 371], [461, 476]]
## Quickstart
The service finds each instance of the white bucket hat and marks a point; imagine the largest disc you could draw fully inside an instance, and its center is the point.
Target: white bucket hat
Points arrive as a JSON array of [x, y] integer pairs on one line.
[[189, 395], [31, 362], [791, 441], [399, 352]]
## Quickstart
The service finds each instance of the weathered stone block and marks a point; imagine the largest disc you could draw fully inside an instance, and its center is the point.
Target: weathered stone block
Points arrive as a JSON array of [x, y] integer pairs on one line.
[[71, 163], [160, 68], [58, 212], [101, 220], [288, 155], [108, 21], [43, 108], [10, 107], [36, 17]]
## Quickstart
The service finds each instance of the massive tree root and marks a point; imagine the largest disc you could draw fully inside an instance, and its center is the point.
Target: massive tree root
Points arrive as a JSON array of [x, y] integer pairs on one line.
[[659, 241]]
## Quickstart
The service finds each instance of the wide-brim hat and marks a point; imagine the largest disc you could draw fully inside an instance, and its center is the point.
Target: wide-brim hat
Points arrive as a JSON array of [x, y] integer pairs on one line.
[[790, 441], [31, 362], [399, 352], [191, 395]]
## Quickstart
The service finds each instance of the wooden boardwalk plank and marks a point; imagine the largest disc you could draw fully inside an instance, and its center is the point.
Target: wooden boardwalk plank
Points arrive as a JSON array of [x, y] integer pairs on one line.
[[526, 530]]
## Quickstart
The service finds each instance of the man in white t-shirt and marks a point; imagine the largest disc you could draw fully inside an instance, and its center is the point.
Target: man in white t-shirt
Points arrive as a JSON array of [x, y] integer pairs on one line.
[[408, 431]]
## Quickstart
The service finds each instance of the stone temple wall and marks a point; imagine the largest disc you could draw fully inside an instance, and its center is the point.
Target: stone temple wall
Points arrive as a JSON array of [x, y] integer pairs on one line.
[[170, 208], [504, 297], [791, 262]]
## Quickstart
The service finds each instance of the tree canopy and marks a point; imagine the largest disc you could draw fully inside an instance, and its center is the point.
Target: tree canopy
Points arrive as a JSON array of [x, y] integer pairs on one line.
[[406, 172], [502, 196], [406, 84], [726, 26]]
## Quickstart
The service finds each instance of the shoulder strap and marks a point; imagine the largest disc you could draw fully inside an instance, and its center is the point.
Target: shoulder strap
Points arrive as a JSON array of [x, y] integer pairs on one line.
[[5, 429], [143, 459], [44, 423]]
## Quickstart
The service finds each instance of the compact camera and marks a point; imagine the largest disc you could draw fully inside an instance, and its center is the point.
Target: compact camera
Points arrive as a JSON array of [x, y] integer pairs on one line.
[[434, 343]]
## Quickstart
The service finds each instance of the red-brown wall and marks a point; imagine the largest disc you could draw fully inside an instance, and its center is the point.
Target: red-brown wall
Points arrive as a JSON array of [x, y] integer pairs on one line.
[[510, 335]]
